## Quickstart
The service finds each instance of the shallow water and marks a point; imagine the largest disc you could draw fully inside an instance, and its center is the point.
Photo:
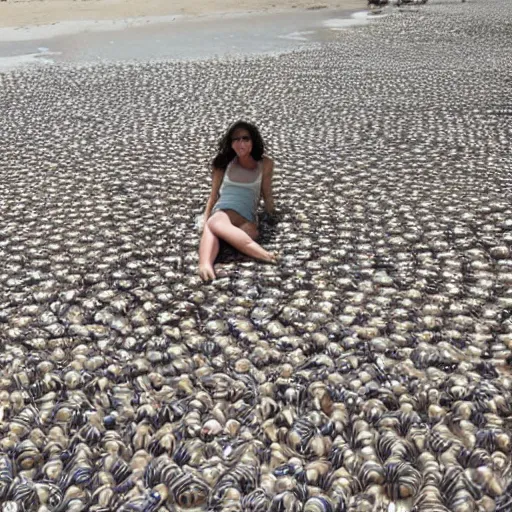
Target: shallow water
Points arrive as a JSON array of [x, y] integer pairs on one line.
[[183, 38]]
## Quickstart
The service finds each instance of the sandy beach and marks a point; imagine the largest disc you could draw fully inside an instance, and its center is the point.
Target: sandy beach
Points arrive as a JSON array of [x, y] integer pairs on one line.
[[369, 369], [18, 13]]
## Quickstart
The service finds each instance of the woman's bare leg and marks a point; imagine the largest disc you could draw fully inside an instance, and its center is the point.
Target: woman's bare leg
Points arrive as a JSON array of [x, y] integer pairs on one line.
[[208, 250], [220, 225], [251, 229]]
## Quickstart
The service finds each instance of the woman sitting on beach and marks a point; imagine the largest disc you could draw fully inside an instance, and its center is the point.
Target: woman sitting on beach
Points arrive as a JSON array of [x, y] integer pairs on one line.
[[241, 175]]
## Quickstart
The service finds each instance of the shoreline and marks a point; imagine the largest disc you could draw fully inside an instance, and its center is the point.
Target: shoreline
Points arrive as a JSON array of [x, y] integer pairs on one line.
[[71, 27], [173, 37], [30, 14]]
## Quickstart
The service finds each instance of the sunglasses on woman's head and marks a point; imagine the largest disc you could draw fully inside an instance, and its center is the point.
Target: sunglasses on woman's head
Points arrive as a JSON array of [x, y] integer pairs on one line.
[[244, 138]]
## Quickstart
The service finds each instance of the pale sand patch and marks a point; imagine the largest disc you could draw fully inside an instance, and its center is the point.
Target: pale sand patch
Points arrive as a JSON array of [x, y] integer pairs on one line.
[[20, 61], [21, 13]]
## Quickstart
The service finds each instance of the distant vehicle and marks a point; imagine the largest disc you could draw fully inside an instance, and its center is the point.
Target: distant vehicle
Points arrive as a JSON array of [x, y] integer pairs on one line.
[[400, 2], [377, 3]]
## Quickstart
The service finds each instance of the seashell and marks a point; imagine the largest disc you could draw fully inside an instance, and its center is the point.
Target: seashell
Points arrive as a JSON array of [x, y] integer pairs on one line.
[[49, 494], [316, 471], [256, 501], [189, 492], [485, 478], [285, 501], [318, 504], [211, 428], [6, 476], [27, 455], [24, 492], [189, 452], [402, 480], [371, 473]]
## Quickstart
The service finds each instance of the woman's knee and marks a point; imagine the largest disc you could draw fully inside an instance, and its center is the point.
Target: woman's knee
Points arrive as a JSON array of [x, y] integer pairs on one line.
[[212, 222], [216, 220]]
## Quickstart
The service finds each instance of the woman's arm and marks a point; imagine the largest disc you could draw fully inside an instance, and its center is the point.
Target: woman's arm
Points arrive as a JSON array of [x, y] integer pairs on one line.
[[266, 185], [217, 176]]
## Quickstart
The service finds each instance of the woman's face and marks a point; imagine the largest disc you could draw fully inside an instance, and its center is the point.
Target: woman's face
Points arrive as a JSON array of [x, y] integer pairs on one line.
[[241, 142]]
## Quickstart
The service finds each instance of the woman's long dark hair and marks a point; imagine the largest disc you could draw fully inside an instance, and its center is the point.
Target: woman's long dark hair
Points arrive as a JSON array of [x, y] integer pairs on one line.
[[227, 153]]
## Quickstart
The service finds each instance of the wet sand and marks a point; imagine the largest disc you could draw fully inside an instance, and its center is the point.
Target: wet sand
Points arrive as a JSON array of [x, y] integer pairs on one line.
[[15, 13], [176, 38]]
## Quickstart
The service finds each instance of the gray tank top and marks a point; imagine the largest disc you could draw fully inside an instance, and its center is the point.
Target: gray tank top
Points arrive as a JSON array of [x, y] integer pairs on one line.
[[241, 184]]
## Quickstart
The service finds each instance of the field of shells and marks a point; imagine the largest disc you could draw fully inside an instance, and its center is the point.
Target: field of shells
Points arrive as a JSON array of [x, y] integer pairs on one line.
[[368, 371]]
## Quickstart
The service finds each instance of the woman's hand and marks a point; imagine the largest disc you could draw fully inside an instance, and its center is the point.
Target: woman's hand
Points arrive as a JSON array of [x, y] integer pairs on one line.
[[217, 177], [271, 218], [266, 185], [200, 223]]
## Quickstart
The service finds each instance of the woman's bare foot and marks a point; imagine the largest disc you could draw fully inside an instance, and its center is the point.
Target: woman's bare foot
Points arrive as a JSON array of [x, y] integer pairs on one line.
[[273, 258], [206, 272]]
